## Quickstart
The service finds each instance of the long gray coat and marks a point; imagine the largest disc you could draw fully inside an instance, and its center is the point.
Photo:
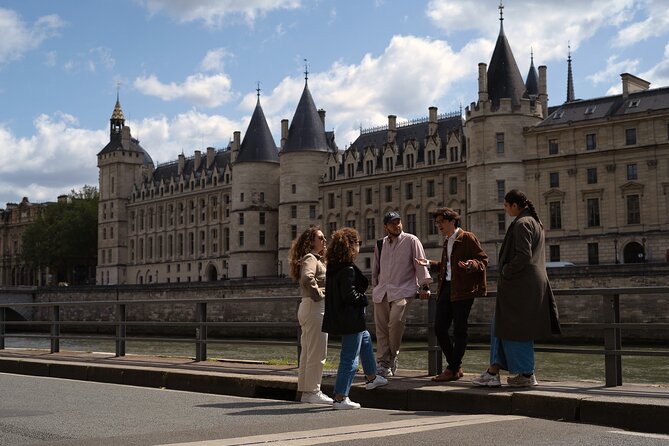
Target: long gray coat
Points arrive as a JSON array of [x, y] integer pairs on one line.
[[525, 307]]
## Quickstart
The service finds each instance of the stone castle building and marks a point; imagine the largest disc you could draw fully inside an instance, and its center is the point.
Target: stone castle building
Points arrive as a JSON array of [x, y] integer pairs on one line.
[[596, 169]]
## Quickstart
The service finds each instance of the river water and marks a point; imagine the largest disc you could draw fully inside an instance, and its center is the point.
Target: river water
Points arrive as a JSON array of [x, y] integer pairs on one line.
[[549, 366]]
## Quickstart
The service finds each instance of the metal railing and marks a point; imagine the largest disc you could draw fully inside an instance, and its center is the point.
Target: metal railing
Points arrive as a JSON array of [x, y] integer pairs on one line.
[[610, 306]]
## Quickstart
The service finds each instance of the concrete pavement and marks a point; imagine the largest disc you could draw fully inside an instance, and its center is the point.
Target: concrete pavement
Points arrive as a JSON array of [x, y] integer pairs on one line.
[[643, 408]]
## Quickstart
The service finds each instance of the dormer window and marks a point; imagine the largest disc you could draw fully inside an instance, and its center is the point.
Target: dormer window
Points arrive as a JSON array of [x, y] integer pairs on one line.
[[590, 110], [634, 103], [558, 114]]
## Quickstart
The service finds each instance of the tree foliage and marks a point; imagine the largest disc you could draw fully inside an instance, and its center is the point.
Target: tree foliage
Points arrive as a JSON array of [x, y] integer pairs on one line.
[[65, 236]]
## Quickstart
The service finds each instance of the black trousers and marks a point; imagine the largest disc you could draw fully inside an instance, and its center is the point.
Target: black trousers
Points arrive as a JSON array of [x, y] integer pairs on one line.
[[455, 313]]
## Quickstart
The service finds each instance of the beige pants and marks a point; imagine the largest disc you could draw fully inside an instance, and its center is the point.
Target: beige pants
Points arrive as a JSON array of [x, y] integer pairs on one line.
[[390, 320], [314, 345]]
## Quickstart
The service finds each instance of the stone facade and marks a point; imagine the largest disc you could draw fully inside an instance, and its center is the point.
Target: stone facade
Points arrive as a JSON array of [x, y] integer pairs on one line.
[[597, 171]]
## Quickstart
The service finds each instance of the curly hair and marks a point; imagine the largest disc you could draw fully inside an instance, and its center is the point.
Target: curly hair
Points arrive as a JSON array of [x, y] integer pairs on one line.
[[342, 247], [300, 247]]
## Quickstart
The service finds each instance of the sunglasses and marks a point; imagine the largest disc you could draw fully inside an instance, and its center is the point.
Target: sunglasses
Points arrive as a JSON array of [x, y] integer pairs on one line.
[[359, 242]]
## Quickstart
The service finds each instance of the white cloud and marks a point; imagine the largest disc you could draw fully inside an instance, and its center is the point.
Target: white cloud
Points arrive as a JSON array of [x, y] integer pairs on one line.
[[36, 168], [207, 91], [658, 75], [216, 13], [19, 37], [411, 75], [614, 68], [655, 23], [213, 60], [544, 26]]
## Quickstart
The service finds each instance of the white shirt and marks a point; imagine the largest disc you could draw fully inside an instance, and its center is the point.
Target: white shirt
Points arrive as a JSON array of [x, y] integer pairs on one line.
[[449, 251]]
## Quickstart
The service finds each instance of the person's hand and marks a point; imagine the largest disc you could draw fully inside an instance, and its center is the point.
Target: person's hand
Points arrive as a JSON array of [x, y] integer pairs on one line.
[[424, 294], [468, 265], [423, 262]]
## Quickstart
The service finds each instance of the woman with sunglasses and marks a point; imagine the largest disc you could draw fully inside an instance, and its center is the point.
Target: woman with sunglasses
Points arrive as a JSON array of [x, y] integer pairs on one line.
[[307, 268], [345, 303]]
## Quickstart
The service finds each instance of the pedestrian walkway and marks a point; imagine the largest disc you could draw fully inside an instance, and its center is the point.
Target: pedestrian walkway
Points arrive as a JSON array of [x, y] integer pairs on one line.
[[643, 408]]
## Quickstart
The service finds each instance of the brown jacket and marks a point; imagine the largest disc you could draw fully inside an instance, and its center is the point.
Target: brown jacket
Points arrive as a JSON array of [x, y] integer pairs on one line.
[[525, 308], [465, 283], [312, 277]]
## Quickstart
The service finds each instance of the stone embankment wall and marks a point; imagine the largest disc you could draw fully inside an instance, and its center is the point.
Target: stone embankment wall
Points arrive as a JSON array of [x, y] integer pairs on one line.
[[279, 300]]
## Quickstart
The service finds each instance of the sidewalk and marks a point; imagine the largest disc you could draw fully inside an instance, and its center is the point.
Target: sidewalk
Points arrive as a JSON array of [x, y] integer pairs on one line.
[[642, 408]]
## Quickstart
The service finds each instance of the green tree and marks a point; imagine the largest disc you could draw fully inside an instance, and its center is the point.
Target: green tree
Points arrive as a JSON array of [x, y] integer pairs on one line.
[[65, 237]]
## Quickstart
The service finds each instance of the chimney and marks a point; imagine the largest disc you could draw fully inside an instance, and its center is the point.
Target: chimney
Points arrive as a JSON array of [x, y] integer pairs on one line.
[[321, 113], [542, 97], [483, 82], [432, 120], [198, 158], [632, 84], [284, 132], [125, 137], [211, 154], [62, 199], [182, 161], [392, 128], [235, 146]]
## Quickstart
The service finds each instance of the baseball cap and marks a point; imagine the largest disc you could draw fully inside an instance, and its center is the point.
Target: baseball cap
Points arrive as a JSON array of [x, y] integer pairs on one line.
[[390, 216]]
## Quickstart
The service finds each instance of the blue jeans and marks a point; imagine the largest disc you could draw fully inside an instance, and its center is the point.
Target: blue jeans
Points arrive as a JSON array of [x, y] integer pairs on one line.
[[352, 346], [514, 356]]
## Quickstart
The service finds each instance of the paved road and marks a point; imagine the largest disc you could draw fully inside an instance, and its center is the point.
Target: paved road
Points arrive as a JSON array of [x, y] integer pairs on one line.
[[49, 411]]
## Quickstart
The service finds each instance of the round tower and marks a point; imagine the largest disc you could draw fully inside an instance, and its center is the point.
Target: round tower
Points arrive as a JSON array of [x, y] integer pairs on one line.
[[496, 146], [254, 224]]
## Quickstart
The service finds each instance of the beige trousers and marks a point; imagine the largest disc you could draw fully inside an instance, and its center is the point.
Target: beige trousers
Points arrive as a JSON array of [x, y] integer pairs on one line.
[[390, 320], [314, 345]]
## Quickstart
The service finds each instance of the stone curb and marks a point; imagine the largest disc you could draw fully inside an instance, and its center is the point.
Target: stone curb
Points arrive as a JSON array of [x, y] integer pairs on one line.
[[638, 414]]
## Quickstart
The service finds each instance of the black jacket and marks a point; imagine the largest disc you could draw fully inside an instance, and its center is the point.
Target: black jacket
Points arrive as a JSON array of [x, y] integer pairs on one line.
[[345, 300]]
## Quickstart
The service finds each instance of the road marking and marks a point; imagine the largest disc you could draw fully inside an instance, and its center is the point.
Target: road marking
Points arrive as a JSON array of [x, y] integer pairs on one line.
[[357, 432], [641, 434]]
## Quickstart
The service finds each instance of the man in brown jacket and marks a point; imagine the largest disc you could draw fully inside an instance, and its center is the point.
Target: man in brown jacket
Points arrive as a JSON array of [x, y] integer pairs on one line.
[[461, 278]]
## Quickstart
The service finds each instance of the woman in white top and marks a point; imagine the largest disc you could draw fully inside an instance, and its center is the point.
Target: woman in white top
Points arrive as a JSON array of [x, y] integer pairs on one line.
[[306, 267]]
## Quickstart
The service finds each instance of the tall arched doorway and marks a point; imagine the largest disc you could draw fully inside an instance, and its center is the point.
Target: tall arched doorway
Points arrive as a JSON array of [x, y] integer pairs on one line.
[[212, 273], [634, 253]]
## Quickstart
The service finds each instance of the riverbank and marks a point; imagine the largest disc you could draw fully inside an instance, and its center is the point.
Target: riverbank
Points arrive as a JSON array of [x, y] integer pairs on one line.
[[642, 408]]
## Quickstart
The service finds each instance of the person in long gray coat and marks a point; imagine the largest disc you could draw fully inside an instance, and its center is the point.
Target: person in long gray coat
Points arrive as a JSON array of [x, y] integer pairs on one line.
[[525, 308]]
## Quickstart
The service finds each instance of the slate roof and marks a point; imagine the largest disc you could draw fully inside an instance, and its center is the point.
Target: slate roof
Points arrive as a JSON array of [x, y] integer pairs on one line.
[[306, 132], [532, 80], [641, 102], [504, 79], [170, 170], [258, 144]]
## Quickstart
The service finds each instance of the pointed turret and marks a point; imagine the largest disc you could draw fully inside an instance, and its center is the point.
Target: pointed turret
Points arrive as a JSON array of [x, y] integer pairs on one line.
[[307, 131], [570, 79], [532, 81], [258, 144], [504, 79], [117, 120]]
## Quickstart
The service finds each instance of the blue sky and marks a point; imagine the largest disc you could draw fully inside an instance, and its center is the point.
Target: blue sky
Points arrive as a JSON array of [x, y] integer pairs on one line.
[[188, 69]]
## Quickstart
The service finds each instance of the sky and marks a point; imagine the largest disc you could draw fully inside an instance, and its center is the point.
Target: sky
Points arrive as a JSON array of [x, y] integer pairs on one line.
[[187, 71]]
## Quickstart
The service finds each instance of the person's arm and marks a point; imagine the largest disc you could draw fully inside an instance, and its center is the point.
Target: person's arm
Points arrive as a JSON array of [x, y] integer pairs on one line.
[[349, 294], [422, 273], [476, 259], [523, 234], [308, 278]]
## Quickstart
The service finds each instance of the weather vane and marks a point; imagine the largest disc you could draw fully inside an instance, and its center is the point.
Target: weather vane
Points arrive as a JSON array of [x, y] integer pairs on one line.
[[501, 10], [306, 70], [258, 90]]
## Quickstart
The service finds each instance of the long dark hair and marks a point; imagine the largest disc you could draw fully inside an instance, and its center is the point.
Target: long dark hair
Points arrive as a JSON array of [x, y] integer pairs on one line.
[[515, 196], [301, 247]]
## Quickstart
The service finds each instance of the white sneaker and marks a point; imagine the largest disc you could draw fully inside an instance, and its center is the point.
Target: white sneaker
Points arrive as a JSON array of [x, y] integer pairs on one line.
[[345, 404], [522, 381], [316, 398], [378, 381], [487, 380]]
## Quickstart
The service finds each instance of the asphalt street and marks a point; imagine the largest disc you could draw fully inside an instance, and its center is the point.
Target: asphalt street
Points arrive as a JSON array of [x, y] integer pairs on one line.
[[50, 411]]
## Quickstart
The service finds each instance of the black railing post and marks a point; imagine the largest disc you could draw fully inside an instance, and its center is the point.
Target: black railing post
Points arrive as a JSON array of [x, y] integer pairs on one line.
[[121, 318], [434, 359], [55, 329], [3, 319], [201, 332], [612, 341]]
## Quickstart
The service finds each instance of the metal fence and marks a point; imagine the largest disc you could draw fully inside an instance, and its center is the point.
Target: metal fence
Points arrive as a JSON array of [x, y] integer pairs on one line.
[[610, 306]]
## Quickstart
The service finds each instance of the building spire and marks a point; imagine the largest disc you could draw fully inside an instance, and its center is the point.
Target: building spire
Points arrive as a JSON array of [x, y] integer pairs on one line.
[[570, 79], [501, 11], [258, 91], [306, 71]]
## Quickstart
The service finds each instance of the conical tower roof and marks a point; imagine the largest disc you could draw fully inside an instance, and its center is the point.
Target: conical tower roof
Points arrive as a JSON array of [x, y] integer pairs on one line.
[[258, 144], [570, 80], [504, 79], [306, 132], [532, 81], [117, 114]]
